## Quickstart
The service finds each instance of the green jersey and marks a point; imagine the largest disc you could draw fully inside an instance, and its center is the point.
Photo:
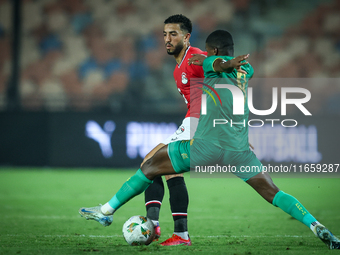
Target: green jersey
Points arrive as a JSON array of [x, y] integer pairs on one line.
[[219, 125]]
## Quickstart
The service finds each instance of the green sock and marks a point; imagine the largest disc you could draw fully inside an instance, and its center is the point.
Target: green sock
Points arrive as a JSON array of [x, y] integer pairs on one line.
[[293, 207], [131, 188]]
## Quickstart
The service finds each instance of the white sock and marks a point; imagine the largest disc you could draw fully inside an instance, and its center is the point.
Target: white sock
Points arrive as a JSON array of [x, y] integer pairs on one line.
[[107, 209], [184, 235]]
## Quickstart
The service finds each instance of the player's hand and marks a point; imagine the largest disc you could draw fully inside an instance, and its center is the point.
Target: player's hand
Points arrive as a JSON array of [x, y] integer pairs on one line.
[[236, 63], [197, 59]]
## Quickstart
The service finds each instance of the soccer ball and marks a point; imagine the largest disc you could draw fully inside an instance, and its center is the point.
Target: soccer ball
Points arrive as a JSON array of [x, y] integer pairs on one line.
[[138, 230]]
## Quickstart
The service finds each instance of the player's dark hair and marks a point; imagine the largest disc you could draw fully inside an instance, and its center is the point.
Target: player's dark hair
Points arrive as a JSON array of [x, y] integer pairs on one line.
[[223, 41], [184, 23]]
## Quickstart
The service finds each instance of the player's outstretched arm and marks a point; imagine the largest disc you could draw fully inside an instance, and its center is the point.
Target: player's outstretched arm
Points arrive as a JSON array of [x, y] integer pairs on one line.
[[220, 65]]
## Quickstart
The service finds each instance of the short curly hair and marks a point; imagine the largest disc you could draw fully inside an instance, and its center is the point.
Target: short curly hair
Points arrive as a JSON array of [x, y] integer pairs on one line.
[[184, 23], [222, 40]]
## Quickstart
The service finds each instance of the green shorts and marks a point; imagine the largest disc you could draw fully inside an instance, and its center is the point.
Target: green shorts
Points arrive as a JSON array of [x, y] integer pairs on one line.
[[189, 154], [179, 154]]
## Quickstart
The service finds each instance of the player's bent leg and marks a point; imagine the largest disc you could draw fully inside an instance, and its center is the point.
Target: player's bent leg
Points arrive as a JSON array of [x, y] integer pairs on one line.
[[158, 165], [132, 187], [152, 152], [153, 195], [264, 185]]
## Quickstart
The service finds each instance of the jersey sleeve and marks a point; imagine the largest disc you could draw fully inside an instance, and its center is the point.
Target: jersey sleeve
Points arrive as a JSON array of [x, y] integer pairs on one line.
[[208, 66], [249, 69], [209, 71]]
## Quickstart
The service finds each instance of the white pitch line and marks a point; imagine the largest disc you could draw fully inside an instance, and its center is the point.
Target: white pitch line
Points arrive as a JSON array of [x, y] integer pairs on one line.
[[44, 217], [217, 236], [226, 236]]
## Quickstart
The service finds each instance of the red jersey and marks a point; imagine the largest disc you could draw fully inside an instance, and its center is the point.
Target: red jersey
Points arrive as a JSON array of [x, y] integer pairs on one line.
[[183, 73]]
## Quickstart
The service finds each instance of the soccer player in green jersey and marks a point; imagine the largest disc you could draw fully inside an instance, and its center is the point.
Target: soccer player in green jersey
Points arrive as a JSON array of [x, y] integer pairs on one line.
[[215, 143]]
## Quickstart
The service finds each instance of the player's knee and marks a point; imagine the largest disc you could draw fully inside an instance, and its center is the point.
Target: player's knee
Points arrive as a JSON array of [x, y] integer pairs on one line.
[[149, 170], [270, 194], [145, 159], [264, 186]]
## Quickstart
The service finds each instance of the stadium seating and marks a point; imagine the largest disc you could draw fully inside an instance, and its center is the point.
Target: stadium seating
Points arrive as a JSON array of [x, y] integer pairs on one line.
[[76, 55]]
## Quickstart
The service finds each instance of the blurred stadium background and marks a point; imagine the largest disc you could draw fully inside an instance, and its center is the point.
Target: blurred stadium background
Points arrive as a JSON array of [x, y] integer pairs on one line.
[[89, 83]]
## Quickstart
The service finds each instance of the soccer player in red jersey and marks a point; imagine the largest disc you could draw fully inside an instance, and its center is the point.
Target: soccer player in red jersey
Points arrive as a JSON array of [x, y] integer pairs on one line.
[[177, 31]]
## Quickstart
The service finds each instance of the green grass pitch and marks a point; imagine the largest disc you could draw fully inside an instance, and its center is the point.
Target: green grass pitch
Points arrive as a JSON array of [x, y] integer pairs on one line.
[[39, 215]]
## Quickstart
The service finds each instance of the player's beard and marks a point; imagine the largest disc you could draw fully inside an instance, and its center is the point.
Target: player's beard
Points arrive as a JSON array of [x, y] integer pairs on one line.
[[177, 50]]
